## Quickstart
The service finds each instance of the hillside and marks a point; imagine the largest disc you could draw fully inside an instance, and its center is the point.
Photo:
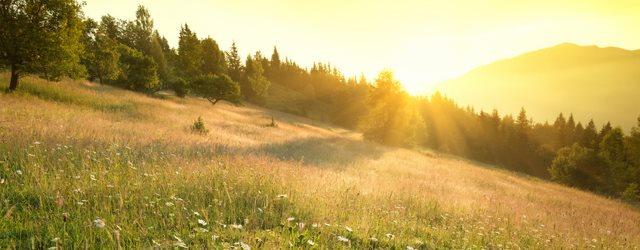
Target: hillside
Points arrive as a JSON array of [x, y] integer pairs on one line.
[[588, 81], [83, 164]]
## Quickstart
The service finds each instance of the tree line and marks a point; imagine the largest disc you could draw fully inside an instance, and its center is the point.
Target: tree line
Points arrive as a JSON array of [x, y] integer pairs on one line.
[[53, 39]]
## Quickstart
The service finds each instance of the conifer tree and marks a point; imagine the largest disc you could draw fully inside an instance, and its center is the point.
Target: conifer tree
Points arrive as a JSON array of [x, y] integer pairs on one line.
[[234, 66], [213, 58], [189, 54]]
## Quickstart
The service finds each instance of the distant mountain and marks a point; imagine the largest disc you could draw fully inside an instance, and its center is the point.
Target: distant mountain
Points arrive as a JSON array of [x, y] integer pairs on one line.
[[588, 81]]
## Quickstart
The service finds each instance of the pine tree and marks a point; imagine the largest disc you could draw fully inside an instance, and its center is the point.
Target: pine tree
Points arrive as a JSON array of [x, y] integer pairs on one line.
[[189, 54], [589, 137], [213, 58], [234, 66]]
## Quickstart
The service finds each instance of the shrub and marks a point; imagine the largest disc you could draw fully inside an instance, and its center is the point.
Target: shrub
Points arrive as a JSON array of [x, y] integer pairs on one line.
[[199, 127], [631, 193], [180, 87]]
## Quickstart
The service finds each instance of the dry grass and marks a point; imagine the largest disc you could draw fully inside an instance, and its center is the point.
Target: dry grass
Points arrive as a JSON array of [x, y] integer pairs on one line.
[[74, 152]]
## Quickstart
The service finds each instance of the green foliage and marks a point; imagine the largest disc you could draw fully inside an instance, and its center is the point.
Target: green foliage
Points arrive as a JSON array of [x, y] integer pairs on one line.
[[138, 72], [576, 166], [180, 86], [216, 88], [189, 54], [199, 127], [234, 65], [41, 37], [631, 193], [213, 61], [254, 85], [389, 120], [102, 55]]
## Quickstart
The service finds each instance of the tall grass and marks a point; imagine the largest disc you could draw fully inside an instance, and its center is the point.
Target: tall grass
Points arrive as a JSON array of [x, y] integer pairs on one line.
[[76, 175]]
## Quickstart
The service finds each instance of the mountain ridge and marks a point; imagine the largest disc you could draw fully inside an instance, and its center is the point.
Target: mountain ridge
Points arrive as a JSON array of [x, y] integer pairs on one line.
[[569, 76]]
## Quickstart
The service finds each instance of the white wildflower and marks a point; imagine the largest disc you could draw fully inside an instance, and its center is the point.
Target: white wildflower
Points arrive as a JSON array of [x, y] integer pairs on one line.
[[19, 171], [373, 239], [168, 204], [343, 239], [311, 243], [236, 226], [291, 219], [348, 229], [99, 223], [202, 222], [390, 236], [93, 177], [244, 246]]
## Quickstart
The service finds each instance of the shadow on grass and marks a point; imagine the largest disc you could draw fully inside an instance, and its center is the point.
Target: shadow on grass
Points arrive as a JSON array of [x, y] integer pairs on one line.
[[332, 151]]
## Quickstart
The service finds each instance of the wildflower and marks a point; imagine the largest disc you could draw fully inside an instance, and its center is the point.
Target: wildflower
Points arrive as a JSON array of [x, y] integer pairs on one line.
[[180, 244], [390, 236], [168, 204], [1, 181], [291, 219], [243, 245], [348, 229], [196, 213], [373, 239], [80, 203], [343, 239], [315, 225], [311, 243], [202, 222], [236, 226], [19, 172], [56, 239], [37, 142], [99, 223], [92, 177], [301, 226]]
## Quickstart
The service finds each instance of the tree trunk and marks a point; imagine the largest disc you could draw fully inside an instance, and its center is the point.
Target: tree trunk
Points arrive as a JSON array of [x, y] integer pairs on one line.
[[13, 84]]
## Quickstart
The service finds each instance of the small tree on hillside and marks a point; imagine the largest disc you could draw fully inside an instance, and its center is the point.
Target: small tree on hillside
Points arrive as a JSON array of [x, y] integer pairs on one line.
[[216, 88], [40, 37]]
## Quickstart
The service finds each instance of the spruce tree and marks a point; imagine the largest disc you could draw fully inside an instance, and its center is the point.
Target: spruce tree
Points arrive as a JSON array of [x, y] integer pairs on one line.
[[234, 66]]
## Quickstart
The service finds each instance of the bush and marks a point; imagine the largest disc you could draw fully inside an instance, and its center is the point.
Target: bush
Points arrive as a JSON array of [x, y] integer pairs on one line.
[[631, 193], [199, 127], [180, 87]]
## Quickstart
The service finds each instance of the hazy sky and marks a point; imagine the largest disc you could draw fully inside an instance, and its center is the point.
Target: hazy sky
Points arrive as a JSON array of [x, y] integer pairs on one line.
[[423, 42]]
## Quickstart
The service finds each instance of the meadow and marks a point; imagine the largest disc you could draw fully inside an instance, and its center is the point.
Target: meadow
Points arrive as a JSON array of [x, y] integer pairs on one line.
[[84, 165]]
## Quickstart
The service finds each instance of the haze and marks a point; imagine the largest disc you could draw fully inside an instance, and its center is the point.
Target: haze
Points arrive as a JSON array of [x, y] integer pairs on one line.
[[424, 42]]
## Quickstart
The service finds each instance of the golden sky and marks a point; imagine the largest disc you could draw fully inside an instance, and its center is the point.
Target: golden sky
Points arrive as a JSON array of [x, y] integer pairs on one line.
[[423, 42]]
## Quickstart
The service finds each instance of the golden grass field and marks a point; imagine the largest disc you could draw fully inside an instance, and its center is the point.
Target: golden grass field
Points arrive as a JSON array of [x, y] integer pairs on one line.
[[85, 165]]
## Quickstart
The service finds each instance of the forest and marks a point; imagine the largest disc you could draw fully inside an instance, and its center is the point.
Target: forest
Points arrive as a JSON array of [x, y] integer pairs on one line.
[[53, 39]]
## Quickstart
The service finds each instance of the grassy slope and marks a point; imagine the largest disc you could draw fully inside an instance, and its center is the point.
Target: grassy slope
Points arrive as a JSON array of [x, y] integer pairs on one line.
[[589, 81], [74, 152]]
